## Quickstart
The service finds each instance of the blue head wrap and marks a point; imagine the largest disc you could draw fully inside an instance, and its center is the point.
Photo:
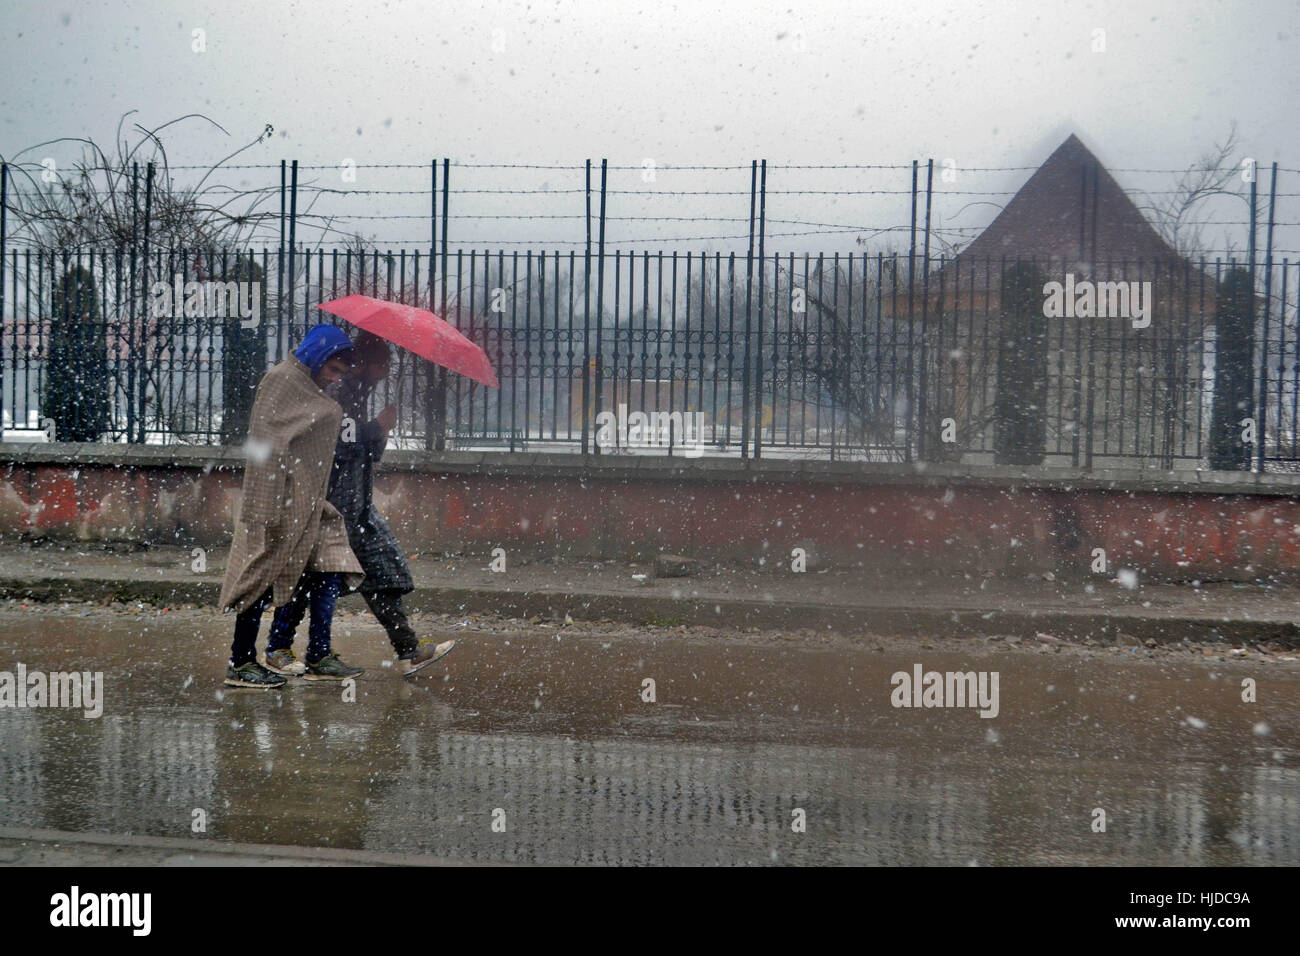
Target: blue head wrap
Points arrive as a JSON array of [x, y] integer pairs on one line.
[[321, 344]]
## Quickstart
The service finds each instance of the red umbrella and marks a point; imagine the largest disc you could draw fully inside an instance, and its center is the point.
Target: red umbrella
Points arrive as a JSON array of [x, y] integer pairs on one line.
[[417, 330]]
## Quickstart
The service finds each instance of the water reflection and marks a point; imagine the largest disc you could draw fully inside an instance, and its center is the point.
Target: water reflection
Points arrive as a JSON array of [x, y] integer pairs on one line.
[[293, 772]]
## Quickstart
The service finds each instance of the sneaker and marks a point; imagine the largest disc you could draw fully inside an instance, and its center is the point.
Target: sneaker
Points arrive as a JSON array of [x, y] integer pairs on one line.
[[425, 653], [284, 662], [330, 667], [253, 674]]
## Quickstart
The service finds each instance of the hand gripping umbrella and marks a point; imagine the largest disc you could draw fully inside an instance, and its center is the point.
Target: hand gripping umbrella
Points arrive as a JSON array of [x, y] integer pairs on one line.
[[418, 331]]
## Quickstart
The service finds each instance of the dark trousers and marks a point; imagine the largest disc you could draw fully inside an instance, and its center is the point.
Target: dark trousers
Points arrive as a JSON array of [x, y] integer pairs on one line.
[[320, 588], [386, 606]]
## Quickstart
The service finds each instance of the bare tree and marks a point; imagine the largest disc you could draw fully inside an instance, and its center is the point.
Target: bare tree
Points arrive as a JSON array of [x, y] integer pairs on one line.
[[1215, 173], [91, 220], [100, 201]]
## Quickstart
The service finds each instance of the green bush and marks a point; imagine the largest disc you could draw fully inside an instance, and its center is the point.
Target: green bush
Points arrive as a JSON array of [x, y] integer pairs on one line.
[[243, 361], [1020, 405], [75, 393], [1234, 371]]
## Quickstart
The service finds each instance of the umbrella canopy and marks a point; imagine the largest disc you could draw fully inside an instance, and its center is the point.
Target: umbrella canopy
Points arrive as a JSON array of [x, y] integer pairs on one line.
[[418, 331]]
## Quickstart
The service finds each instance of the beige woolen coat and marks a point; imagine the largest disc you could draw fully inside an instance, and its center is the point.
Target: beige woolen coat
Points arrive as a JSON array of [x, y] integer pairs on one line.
[[285, 526]]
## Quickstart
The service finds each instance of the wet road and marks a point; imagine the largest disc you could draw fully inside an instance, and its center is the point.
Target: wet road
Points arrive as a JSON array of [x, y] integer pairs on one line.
[[537, 746]]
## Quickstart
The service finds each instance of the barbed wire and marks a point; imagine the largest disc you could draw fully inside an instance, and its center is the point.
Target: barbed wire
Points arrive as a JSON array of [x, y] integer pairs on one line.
[[577, 216], [423, 243], [335, 191], [383, 247], [332, 224], [921, 164]]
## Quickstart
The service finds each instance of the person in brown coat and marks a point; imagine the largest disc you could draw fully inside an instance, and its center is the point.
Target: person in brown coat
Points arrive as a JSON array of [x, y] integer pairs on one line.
[[288, 538]]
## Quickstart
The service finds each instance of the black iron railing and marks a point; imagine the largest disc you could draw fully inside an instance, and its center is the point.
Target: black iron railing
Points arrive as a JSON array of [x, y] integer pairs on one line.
[[832, 357]]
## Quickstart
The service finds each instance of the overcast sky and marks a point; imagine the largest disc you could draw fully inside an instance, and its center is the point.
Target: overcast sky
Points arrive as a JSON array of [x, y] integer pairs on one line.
[[982, 84]]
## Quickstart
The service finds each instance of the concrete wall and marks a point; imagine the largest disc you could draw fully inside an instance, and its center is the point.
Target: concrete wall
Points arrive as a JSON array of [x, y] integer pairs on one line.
[[885, 517]]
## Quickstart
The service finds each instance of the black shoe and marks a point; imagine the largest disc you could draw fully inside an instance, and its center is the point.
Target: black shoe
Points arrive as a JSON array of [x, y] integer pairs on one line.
[[330, 667], [253, 674]]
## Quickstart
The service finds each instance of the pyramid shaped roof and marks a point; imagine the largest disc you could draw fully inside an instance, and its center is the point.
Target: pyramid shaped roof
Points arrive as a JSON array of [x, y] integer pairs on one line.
[[1071, 209]]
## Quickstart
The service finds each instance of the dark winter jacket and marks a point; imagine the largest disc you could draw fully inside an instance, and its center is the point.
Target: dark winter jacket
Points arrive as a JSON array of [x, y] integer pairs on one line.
[[351, 491]]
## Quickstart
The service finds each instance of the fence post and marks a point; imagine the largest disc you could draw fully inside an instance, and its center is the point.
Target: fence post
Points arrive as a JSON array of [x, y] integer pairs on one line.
[[440, 373], [922, 401], [758, 345], [911, 288], [600, 299], [586, 322], [4, 235], [143, 377], [281, 340], [1250, 247], [430, 383], [749, 278], [1262, 420], [131, 300], [293, 223]]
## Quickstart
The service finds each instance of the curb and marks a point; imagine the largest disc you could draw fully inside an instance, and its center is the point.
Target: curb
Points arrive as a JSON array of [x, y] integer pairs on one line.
[[1076, 625]]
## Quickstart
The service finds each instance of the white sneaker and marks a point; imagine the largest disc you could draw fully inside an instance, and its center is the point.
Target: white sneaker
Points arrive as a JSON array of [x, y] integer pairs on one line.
[[284, 662], [425, 654]]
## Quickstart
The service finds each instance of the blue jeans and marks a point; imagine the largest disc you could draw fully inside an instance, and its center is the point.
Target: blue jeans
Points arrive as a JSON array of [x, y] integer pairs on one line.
[[322, 590]]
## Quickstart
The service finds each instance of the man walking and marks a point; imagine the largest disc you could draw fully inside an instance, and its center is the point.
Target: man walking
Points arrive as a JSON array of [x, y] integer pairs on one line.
[[289, 541], [388, 576]]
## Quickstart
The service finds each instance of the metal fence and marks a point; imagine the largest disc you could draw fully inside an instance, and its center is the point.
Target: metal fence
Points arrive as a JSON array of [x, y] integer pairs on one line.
[[871, 358]]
